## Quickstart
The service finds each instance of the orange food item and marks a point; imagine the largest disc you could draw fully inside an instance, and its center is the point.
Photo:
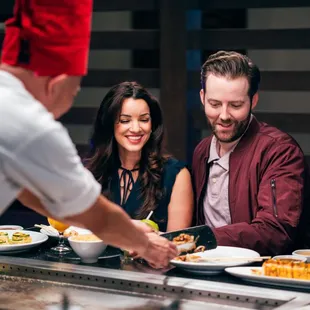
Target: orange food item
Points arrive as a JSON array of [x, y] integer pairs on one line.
[[183, 238], [286, 268], [59, 226]]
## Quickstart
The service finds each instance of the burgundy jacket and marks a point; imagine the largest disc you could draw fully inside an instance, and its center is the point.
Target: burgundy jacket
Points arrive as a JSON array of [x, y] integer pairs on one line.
[[268, 225]]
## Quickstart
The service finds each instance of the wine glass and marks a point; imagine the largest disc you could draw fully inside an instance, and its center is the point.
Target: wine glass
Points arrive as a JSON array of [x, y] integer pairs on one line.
[[61, 247]]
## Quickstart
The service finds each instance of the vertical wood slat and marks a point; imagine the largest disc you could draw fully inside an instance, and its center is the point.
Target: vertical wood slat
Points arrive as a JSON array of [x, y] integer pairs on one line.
[[173, 81]]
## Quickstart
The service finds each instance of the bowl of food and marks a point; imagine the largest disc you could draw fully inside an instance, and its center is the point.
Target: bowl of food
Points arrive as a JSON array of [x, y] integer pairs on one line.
[[88, 247], [305, 253], [53, 234], [289, 258]]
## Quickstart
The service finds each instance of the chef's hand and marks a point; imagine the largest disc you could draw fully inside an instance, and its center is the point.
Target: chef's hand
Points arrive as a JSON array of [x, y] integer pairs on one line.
[[159, 251]]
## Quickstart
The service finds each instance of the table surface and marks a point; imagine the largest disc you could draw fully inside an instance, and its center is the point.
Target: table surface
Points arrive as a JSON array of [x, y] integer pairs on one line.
[[112, 258]]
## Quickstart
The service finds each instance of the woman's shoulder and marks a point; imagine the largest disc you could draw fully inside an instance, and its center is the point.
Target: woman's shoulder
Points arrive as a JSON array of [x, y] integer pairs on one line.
[[173, 164], [172, 167]]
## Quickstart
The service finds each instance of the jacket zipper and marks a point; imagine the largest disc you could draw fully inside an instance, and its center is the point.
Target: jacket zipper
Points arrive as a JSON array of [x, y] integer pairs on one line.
[[274, 199]]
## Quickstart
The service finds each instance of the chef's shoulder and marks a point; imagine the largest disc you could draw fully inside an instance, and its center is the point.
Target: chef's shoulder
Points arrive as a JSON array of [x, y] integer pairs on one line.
[[23, 119]]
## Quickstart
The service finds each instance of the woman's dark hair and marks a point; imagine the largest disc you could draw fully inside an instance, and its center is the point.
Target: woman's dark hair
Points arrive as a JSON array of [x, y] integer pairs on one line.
[[104, 157]]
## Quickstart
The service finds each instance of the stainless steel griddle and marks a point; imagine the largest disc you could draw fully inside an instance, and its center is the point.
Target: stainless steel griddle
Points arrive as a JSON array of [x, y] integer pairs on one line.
[[34, 284]]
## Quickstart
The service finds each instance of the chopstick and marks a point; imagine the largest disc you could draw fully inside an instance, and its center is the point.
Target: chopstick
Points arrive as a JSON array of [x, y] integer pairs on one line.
[[231, 259], [49, 229]]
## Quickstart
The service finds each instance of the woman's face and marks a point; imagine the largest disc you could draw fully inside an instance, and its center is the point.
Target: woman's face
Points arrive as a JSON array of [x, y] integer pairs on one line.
[[133, 127]]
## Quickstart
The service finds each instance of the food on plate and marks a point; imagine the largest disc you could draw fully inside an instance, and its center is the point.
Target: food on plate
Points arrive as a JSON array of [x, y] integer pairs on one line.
[[17, 238], [183, 238], [69, 233], [20, 237], [284, 268], [188, 258], [200, 248], [86, 237], [4, 239], [185, 243]]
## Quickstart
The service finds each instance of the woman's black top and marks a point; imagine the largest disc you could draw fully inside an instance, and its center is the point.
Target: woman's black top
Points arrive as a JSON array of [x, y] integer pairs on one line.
[[134, 202]]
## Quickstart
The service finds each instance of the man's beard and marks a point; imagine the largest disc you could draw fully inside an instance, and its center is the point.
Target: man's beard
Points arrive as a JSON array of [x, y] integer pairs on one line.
[[238, 131]]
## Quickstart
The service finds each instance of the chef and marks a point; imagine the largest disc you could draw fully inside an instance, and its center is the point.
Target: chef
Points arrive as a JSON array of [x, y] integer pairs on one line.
[[43, 59]]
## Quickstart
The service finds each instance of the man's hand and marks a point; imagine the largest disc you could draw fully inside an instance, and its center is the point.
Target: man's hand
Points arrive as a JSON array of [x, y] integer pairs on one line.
[[159, 251]]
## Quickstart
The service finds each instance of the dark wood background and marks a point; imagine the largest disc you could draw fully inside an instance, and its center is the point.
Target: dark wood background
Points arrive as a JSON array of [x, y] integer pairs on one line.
[[160, 40]]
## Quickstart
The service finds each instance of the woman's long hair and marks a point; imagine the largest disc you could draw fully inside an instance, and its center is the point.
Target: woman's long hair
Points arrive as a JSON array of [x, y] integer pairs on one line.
[[104, 158]]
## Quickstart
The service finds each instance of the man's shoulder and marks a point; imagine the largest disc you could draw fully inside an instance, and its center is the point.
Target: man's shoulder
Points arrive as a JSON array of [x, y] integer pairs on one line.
[[203, 146], [22, 120], [274, 136]]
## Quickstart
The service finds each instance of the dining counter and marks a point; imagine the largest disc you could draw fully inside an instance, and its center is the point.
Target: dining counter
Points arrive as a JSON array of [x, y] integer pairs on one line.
[[35, 280]]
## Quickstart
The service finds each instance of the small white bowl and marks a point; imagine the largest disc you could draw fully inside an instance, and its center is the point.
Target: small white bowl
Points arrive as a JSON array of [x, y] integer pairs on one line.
[[305, 253], [293, 257], [88, 251], [11, 227]]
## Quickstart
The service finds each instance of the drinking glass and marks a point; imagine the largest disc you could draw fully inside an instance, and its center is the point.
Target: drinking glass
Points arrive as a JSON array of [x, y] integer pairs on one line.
[[61, 247]]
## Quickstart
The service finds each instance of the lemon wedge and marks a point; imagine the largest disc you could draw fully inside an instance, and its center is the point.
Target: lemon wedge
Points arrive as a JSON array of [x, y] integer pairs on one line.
[[152, 224]]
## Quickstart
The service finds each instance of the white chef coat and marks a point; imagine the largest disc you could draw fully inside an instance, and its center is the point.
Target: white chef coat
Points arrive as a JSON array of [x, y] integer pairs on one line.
[[37, 153]]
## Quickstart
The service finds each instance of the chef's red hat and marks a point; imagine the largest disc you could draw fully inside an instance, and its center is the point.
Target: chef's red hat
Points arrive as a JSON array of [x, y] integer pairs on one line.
[[49, 37]]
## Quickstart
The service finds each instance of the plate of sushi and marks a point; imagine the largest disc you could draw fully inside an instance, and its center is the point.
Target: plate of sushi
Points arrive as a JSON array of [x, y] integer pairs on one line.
[[18, 241], [286, 271]]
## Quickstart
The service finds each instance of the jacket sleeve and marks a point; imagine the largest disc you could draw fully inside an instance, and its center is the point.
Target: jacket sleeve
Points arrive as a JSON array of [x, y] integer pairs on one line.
[[273, 228], [197, 165]]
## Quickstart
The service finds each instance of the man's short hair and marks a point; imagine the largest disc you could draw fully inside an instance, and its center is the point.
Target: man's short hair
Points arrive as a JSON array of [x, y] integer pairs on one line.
[[231, 65]]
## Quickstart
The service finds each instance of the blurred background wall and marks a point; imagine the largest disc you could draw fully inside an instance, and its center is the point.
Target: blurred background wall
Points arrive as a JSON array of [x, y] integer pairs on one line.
[[162, 44]]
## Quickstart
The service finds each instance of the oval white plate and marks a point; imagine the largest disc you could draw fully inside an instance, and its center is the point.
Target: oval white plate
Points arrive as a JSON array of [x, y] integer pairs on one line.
[[37, 238], [245, 273], [212, 268]]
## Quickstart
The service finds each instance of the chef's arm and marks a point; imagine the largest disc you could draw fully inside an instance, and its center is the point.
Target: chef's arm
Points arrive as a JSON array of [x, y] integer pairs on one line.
[[103, 218]]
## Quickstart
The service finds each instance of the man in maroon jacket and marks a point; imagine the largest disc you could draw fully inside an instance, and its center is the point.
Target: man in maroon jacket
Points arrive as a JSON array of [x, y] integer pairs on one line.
[[249, 177]]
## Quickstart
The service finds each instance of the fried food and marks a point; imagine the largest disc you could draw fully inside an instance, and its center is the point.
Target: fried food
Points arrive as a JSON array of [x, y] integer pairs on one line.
[[185, 243], [188, 258], [70, 233], [200, 248], [20, 237], [183, 238], [285, 268], [17, 238], [4, 240]]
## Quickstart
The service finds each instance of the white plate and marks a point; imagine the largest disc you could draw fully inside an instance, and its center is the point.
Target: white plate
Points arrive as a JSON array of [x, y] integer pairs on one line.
[[212, 268], [245, 273], [297, 253], [37, 238], [11, 227]]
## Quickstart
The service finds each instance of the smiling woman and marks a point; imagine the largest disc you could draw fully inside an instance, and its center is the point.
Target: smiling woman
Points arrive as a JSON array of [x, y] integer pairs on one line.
[[129, 161]]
